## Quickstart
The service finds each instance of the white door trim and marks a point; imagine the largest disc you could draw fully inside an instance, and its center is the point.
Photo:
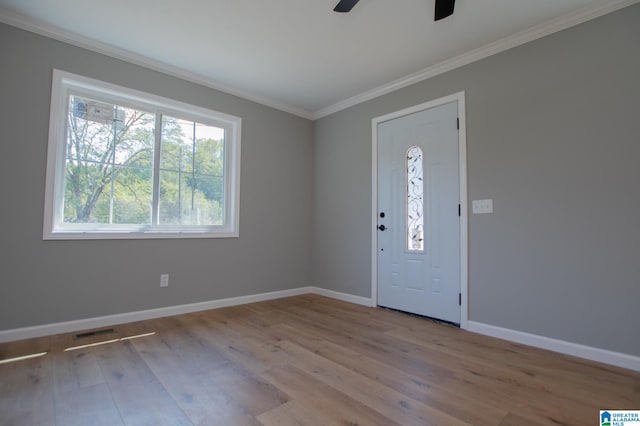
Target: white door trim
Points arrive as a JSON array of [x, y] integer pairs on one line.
[[462, 167]]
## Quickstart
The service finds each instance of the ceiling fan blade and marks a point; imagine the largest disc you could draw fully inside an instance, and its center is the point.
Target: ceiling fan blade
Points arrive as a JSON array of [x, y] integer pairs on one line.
[[345, 5], [444, 8]]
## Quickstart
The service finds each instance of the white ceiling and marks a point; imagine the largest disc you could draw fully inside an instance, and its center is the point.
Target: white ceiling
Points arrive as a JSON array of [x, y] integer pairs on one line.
[[298, 55]]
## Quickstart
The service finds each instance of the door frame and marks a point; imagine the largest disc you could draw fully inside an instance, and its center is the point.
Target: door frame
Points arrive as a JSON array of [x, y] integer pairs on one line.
[[462, 171]]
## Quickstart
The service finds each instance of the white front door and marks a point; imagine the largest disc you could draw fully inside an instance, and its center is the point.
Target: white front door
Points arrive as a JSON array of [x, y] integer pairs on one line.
[[418, 213]]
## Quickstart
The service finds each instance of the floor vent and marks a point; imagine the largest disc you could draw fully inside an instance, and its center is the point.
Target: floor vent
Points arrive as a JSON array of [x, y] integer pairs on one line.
[[94, 333]]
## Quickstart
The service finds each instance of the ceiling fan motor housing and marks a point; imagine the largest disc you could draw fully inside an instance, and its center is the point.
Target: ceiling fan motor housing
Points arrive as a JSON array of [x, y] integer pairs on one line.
[[443, 8]]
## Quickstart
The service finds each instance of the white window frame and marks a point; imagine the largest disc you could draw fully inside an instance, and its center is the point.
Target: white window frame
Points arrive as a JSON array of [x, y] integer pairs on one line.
[[54, 228]]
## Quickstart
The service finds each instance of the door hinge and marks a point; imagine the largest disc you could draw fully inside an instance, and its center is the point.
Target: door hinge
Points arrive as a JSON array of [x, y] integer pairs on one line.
[[459, 210], [459, 299], [458, 123]]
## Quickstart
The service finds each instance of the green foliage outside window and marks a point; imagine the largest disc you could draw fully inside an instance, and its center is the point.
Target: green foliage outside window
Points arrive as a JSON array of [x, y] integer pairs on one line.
[[109, 168]]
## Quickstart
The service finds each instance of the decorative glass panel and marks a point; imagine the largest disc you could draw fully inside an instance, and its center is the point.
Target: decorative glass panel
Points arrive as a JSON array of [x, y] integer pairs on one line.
[[415, 200]]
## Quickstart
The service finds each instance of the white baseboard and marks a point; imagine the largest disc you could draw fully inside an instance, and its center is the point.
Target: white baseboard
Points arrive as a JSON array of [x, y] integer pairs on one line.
[[588, 352], [595, 354], [84, 324], [345, 297]]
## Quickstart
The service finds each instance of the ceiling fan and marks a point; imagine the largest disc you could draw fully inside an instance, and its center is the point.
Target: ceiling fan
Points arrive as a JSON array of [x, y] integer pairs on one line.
[[443, 8]]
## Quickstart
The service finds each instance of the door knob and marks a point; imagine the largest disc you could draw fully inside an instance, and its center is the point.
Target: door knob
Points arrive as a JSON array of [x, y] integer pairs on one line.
[[382, 227]]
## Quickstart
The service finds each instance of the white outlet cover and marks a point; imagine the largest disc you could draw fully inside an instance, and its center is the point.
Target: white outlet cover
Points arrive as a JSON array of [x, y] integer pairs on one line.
[[164, 280], [482, 206]]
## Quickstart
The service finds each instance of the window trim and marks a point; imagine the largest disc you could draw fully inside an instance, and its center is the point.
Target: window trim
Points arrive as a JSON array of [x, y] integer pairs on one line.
[[63, 84]]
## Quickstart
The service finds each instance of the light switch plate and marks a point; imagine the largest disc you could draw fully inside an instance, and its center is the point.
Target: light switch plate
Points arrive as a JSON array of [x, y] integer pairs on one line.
[[482, 206]]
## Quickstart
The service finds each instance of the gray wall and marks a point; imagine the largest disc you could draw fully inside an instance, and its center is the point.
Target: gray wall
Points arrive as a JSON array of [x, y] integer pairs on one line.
[[50, 281], [553, 140]]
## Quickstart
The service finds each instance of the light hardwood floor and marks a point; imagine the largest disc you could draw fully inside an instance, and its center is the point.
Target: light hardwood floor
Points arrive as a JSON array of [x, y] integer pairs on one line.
[[305, 360]]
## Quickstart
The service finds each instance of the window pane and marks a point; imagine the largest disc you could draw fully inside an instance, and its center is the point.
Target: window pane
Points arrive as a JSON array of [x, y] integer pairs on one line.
[[132, 193], [135, 140], [188, 199], [101, 136], [191, 175], [83, 202], [209, 152], [415, 202], [169, 205], [207, 207], [176, 153]]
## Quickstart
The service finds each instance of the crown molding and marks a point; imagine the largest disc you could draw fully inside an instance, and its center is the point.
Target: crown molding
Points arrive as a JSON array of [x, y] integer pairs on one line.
[[46, 30], [531, 34], [518, 39]]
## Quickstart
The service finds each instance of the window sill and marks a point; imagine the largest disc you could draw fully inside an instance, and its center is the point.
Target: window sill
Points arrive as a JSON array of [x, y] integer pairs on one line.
[[137, 235]]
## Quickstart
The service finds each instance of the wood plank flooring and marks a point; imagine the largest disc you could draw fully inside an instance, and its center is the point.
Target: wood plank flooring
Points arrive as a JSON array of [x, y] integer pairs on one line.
[[304, 360]]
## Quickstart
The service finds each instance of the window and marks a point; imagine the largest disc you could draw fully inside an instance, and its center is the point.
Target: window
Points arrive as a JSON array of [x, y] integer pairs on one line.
[[415, 202], [127, 164]]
